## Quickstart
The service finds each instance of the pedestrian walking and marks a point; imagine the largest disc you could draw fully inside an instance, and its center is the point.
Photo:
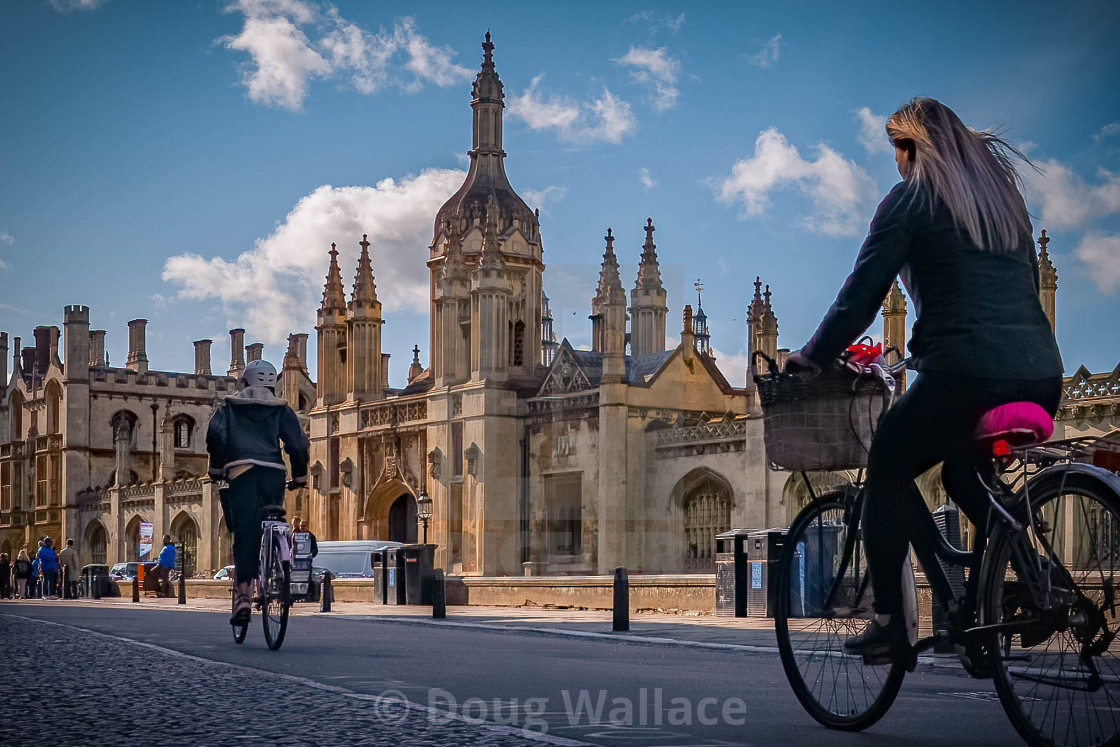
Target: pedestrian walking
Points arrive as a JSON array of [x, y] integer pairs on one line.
[[48, 568], [34, 584], [68, 560], [21, 572], [5, 576]]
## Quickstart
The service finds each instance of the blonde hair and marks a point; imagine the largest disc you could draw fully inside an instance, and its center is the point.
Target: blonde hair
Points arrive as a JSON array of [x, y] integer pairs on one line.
[[971, 172]]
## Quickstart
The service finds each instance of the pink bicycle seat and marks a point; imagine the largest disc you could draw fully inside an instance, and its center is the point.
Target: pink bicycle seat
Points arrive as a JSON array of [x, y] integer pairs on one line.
[[1017, 423]]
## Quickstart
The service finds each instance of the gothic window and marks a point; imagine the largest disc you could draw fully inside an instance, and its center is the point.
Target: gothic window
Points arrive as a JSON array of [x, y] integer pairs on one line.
[[519, 343], [55, 486], [707, 512], [6, 486], [183, 429], [16, 408], [54, 405], [563, 494], [98, 544], [41, 482], [124, 427], [184, 534]]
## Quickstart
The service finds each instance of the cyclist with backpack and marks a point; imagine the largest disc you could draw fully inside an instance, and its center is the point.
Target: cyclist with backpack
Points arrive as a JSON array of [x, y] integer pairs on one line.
[[244, 442], [956, 230]]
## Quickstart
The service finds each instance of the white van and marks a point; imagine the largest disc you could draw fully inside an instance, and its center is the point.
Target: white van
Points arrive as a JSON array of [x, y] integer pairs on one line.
[[349, 558]]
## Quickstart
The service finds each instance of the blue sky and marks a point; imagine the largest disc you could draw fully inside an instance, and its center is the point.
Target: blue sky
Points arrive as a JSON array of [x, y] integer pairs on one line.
[[191, 162]]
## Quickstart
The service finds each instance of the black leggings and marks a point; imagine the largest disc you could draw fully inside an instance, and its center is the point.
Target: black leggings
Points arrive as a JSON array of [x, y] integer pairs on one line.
[[248, 493], [932, 422]]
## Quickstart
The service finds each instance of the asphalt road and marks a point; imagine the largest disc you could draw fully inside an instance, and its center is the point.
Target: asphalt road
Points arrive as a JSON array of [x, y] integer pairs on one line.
[[79, 675]]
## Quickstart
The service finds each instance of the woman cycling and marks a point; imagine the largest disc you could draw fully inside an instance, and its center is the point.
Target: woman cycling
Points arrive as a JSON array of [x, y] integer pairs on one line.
[[956, 230]]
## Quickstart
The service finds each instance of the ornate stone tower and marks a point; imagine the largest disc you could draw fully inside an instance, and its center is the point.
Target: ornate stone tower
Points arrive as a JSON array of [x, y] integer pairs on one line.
[[491, 327], [894, 323], [1047, 280], [548, 336], [331, 383], [363, 333], [701, 339], [762, 326], [647, 302], [608, 308]]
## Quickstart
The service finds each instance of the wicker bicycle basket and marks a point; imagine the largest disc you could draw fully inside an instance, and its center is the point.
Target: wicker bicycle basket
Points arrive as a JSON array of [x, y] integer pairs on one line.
[[825, 423]]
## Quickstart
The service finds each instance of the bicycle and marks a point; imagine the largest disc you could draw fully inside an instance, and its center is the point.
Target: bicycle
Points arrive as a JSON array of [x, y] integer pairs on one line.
[[273, 598], [1037, 613]]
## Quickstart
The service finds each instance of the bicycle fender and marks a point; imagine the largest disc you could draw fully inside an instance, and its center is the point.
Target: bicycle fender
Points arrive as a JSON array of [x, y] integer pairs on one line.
[[1056, 473]]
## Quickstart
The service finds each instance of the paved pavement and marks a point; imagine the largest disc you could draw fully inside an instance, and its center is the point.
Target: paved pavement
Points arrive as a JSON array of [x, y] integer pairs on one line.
[[113, 672]]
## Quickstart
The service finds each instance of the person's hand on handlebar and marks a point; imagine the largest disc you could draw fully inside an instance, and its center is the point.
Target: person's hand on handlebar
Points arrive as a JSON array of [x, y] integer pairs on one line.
[[799, 365]]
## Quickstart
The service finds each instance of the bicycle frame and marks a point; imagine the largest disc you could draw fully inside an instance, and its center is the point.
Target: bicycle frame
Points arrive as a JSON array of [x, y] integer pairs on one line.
[[273, 530]]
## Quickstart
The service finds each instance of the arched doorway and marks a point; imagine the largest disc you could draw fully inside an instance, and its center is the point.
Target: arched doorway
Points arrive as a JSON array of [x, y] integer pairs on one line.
[[705, 500], [132, 541], [402, 519], [184, 533], [98, 543]]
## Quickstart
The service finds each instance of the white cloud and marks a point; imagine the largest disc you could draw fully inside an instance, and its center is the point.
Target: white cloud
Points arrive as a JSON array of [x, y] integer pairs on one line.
[[1065, 199], [607, 119], [284, 59], [767, 56], [69, 6], [656, 69], [6, 238], [542, 199], [1102, 255], [672, 23], [1110, 129], [277, 285], [841, 192], [733, 366], [873, 131], [647, 181]]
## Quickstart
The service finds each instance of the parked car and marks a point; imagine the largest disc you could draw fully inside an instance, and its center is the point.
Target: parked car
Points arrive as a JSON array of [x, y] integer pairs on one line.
[[127, 571], [226, 574], [349, 558]]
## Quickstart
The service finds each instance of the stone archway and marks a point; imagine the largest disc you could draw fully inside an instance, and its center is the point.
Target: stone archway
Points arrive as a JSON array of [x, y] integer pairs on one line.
[[402, 519], [132, 540], [795, 494], [97, 540], [379, 506], [184, 533], [705, 500]]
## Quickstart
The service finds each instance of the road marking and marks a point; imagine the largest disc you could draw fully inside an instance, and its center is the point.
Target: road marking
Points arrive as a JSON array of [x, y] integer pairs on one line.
[[377, 700]]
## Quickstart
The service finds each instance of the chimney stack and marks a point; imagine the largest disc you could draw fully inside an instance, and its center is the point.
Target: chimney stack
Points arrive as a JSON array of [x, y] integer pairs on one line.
[[137, 352], [16, 352], [384, 374], [202, 357], [301, 349], [236, 353], [254, 352], [3, 359], [28, 354], [97, 348], [42, 349]]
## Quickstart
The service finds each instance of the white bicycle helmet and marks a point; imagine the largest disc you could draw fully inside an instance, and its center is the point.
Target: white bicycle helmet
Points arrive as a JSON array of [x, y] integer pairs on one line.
[[260, 373]]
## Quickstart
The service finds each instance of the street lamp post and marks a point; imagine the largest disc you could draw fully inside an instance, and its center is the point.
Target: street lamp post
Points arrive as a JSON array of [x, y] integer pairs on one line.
[[424, 511]]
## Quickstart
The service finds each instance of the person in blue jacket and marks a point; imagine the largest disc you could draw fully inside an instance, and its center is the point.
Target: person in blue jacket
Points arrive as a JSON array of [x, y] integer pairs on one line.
[[165, 563], [48, 568], [244, 442], [956, 230]]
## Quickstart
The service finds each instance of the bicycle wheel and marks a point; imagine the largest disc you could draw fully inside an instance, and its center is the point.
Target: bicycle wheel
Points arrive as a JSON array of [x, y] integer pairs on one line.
[[275, 599], [1057, 664], [836, 688]]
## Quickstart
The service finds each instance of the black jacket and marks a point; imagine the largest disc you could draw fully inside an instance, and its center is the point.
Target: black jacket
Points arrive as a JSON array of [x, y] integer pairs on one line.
[[248, 428], [978, 312]]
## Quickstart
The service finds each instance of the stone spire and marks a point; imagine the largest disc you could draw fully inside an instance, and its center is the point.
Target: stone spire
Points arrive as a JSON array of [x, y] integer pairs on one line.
[[365, 291], [647, 302], [894, 323], [548, 336], [608, 308], [334, 295], [415, 369], [762, 326], [1047, 280], [491, 255]]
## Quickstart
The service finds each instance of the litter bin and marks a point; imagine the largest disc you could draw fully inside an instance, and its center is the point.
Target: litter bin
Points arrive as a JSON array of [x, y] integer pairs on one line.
[[417, 572], [731, 573], [814, 570], [95, 580], [764, 548], [394, 575], [379, 562]]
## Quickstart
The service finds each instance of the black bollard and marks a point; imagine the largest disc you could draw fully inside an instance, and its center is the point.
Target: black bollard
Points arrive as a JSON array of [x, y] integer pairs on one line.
[[621, 600], [325, 605], [94, 585], [182, 575], [62, 575], [439, 600], [136, 586]]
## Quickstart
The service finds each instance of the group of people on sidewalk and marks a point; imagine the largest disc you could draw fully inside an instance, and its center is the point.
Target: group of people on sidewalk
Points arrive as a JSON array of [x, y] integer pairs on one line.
[[46, 574]]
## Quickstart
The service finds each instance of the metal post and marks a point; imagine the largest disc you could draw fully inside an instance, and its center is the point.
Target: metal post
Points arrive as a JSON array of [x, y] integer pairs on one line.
[[325, 604], [94, 586], [621, 600], [439, 600], [136, 584], [182, 573], [62, 577]]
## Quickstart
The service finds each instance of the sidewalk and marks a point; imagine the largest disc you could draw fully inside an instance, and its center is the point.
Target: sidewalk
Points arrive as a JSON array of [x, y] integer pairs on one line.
[[750, 633]]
